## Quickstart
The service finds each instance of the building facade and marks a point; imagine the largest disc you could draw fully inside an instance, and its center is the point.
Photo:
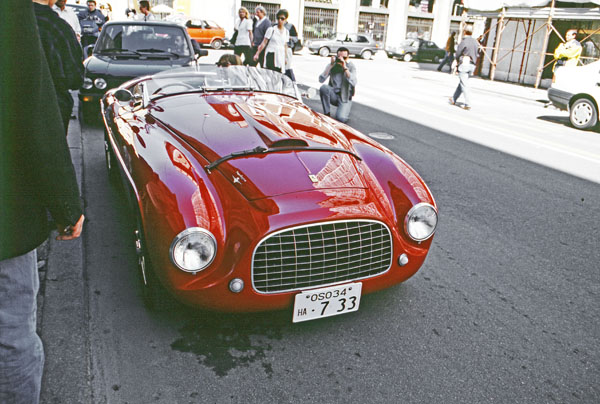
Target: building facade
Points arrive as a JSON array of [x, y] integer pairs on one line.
[[388, 21]]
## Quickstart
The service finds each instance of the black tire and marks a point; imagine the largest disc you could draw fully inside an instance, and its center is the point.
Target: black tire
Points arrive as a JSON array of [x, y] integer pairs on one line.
[[216, 44], [583, 114], [366, 54], [407, 57], [88, 114], [324, 51]]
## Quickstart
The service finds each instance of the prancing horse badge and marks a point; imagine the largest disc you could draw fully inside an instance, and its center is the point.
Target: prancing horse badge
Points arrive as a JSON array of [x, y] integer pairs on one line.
[[313, 178]]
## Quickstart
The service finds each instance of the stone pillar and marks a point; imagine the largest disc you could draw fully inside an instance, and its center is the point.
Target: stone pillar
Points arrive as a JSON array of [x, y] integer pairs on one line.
[[442, 12], [296, 10], [348, 16], [397, 20]]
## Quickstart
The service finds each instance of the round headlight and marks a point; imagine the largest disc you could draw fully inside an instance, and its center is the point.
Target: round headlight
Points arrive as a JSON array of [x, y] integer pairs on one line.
[[421, 221], [100, 83], [193, 249], [87, 83]]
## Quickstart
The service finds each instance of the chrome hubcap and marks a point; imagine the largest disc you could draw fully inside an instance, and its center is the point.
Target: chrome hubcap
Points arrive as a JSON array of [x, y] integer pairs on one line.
[[582, 113]]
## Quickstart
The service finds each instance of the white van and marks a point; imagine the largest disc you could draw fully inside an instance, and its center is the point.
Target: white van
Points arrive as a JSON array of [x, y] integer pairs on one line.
[[577, 89]]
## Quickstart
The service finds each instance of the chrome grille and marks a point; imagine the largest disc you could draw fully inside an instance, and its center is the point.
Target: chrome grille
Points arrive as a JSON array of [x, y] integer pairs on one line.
[[321, 254]]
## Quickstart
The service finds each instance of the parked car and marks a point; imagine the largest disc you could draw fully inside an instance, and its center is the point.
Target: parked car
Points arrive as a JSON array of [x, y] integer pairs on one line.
[[206, 32], [416, 49], [575, 89], [129, 49], [362, 45], [247, 200]]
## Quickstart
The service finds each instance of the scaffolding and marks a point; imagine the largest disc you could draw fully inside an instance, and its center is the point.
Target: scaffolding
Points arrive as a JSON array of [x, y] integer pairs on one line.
[[495, 54]]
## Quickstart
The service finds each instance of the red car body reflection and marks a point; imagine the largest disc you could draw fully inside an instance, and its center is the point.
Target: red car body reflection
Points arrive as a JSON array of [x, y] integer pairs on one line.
[[163, 147]]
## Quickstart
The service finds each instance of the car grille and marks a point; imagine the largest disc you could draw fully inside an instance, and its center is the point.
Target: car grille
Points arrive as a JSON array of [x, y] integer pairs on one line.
[[321, 254]]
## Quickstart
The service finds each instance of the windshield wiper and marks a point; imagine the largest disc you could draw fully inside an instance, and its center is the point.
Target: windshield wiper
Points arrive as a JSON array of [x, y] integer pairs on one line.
[[118, 50], [263, 150], [155, 50]]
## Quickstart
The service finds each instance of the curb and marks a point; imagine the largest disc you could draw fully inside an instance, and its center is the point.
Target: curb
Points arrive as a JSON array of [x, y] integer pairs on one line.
[[64, 314]]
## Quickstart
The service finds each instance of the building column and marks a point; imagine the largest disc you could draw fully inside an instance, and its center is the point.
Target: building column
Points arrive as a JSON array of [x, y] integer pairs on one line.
[[442, 13], [348, 16], [296, 10], [397, 20]]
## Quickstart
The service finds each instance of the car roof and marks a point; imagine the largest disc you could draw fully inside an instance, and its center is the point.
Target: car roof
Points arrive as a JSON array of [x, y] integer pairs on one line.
[[145, 23]]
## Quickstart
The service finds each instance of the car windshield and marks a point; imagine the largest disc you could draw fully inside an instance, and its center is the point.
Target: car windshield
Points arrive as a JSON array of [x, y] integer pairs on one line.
[[212, 78], [143, 40]]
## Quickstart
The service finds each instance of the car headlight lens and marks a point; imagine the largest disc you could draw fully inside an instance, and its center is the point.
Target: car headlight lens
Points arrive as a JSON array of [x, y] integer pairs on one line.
[[193, 249], [421, 221], [87, 83], [100, 83]]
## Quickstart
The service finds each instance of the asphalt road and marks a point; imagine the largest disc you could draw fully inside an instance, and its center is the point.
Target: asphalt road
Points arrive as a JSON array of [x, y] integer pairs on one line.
[[505, 309]]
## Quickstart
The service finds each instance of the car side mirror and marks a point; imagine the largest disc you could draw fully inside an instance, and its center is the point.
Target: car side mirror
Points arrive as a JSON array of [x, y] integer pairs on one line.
[[198, 51], [123, 95], [88, 50]]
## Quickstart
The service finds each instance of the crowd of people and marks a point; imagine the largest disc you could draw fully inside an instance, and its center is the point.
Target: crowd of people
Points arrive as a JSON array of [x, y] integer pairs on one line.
[[36, 174]]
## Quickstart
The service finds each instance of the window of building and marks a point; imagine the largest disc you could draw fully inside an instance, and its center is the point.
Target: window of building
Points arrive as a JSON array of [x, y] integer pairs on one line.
[[374, 24], [271, 8], [419, 28], [319, 22]]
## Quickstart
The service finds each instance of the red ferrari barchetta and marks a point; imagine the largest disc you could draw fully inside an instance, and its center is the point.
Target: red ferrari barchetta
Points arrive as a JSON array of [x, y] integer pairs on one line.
[[248, 200]]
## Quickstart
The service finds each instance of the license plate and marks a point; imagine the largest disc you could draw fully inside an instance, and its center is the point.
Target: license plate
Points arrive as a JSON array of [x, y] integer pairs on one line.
[[326, 302]]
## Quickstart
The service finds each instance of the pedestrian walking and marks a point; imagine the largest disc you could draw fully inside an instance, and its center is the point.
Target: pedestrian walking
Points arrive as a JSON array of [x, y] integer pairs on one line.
[[450, 46], [466, 56], [36, 176], [293, 35], [260, 27], [63, 55], [568, 52], [243, 40], [340, 89], [69, 16], [275, 44]]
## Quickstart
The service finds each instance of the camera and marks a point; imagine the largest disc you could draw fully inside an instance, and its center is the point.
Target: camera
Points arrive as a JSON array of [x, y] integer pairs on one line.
[[339, 60]]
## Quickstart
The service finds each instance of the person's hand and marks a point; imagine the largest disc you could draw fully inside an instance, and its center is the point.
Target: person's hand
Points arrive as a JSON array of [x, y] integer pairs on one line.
[[333, 58], [255, 57], [70, 232]]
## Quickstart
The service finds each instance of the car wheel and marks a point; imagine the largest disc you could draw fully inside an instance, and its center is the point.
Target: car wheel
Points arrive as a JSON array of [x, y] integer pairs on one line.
[[154, 295], [366, 54], [324, 51], [407, 57], [436, 59], [111, 162], [216, 44], [584, 114]]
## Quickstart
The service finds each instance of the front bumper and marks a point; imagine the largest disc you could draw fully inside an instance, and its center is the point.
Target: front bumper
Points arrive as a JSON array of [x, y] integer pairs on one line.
[[559, 98]]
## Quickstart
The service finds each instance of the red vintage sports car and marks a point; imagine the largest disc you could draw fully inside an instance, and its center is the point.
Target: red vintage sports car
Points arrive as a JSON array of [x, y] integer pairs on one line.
[[248, 200]]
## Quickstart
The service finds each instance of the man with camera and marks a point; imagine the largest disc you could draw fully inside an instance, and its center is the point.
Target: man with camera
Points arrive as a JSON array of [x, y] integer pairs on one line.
[[340, 89]]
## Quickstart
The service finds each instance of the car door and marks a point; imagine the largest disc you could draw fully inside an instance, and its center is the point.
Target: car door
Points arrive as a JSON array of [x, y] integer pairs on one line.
[[351, 42], [196, 30]]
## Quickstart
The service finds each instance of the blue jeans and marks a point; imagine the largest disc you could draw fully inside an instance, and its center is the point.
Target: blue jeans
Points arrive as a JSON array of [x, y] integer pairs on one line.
[[329, 97], [21, 351], [446, 61], [464, 71]]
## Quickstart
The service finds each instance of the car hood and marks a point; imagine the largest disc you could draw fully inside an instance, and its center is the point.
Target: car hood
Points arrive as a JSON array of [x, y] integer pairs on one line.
[[218, 125], [99, 65]]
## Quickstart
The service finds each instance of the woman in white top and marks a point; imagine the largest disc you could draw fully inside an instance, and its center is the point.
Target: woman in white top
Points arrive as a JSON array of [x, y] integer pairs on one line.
[[243, 41], [275, 42]]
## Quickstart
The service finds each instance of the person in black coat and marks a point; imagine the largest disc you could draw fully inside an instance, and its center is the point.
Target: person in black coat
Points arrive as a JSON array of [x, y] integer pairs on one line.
[[36, 177]]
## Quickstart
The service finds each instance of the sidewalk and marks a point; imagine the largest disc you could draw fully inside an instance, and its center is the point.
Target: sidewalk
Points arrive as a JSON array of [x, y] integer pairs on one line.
[[62, 307]]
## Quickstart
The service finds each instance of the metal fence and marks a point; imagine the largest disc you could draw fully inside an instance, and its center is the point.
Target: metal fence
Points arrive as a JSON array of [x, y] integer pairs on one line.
[[374, 24], [319, 22], [271, 8]]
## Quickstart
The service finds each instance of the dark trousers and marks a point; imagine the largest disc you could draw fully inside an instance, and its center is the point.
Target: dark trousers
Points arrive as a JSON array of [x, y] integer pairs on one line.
[[270, 63], [261, 57], [245, 50], [447, 60]]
